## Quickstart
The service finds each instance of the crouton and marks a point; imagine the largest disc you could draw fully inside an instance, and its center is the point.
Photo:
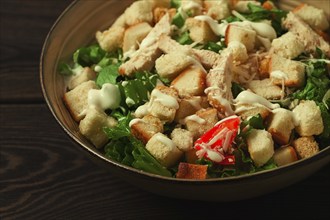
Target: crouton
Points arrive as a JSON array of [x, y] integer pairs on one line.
[[137, 12], [244, 35], [305, 146], [191, 156], [264, 68], [189, 106], [218, 82], [191, 171], [249, 110], [200, 31], [285, 71], [288, 46], [206, 57], [238, 51], [143, 129], [281, 124], [77, 99], [182, 138], [305, 34], [92, 126], [265, 88], [313, 16], [171, 65], [201, 122], [242, 6], [190, 82], [111, 39], [85, 75], [308, 118], [144, 58], [163, 103], [160, 3], [249, 104], [134, 35], [260, 146], [217, 10], [164, 150], [193, 7], [158, 13], [285, 155]]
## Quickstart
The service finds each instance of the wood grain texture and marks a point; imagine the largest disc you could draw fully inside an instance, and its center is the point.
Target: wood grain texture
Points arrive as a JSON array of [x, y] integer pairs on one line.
[[43, 175], [24, 26]]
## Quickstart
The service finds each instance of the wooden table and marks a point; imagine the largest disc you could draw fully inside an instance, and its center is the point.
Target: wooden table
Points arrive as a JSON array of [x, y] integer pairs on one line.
[[43, 175]]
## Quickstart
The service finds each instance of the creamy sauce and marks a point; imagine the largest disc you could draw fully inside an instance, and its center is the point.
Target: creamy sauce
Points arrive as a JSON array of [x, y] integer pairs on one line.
[[97, 68], [277, 74], [134, 121], [165, 140], [218, 29], [108, 97], [250, 98], [242, 6], [195, 118], [129, 101], [142, 111], [164, 99]]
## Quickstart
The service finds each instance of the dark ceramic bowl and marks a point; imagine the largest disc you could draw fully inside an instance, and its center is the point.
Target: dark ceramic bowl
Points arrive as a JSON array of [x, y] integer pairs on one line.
[[76, 27]]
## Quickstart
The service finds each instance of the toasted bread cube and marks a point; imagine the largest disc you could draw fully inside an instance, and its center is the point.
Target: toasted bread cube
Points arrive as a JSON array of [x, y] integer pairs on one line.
[[247, 110], [281, 124], [134, 35], [238, 51], [191, 171], [86, 74], [189, 106], [111, 39], [182, 138], [190, 82], [160, 3], [201, 122], [77, 99], [164, 150], [143, 129], [200, 31], [171, 65], [163, 103], [92, 126], [241, 34], [306, 34], [264, 68], [191, 156], [193, 7], [305, 146], [265, 88], [217, 10], [313, 16], [285, 155], [159, 12], [288, 46], [289, 72], [260, 146], [139, 11], [242, 5], [309, 119]]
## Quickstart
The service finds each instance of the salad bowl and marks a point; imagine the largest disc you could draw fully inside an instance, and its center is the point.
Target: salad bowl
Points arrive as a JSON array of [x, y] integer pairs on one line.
[[77, 26]]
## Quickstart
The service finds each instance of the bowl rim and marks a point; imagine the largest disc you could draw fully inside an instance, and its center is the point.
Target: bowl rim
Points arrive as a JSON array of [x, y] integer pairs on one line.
[[100, 156]]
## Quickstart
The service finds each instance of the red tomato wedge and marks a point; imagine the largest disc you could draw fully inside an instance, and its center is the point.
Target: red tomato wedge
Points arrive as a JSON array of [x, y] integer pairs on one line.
[[216, 143]]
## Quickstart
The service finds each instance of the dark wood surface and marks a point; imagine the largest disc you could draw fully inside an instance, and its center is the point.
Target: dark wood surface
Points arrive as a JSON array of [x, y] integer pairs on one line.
[[43, 175]]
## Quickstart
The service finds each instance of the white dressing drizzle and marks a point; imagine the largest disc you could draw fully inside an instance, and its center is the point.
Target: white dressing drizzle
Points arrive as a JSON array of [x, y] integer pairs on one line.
[[165, 140], [195, 118], [250, 98], [134, 121], [218, 29], [108, 97], [164, 99]]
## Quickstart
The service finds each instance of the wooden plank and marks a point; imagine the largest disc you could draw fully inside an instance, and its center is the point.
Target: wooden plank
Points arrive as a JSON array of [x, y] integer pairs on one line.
[[44, 176], [24, 26]]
